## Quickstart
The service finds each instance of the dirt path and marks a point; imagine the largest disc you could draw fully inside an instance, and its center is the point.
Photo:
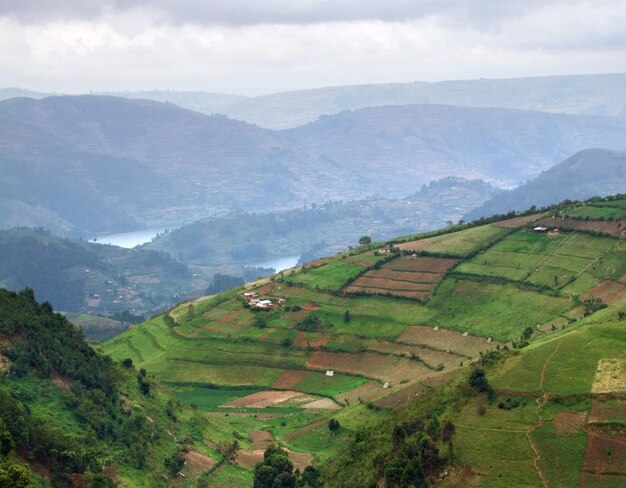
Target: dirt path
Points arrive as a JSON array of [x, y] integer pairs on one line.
[[541, 400]]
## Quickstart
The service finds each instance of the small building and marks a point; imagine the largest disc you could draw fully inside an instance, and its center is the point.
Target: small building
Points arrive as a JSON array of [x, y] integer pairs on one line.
[[249, 296], [384, 250], [541, 229], [263, 304], [330, 372]]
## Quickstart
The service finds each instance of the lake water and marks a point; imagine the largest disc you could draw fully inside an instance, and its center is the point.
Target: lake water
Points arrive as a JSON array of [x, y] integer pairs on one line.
[[129, 240], [278, 264]]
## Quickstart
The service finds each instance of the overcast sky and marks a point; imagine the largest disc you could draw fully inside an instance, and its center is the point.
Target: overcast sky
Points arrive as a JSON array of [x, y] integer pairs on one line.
[[253, 47]]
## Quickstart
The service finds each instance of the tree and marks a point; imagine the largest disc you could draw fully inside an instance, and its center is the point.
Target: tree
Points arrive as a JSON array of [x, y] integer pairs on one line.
[[260, 322], [365, 240], [276, 470], [127, 363], [528, 331], [347, 316], [333, 426], [15, 476], [478, 381], [447, 433]]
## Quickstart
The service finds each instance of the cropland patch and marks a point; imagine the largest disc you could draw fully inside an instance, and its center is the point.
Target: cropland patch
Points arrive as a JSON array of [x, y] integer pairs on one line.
[[406, 276], [569, 422], [517, 221], [432, 357], [446, 340], [382, 367], [289, 378], [459, 243], [609, 411], [609, 292], [605, 454], [610, 376], [263, 399], [614, 228], [249, 458]]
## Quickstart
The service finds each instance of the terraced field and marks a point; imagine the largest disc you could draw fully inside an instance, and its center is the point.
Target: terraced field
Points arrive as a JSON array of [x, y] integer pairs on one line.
[[367, 331]]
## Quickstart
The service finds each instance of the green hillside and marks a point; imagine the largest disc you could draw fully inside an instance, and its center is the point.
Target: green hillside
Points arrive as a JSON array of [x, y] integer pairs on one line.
[[70, 416], [356, 337]]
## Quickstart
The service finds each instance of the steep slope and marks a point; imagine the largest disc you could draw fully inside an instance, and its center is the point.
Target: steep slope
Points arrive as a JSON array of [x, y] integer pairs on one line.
[[355, 336], [592, 172], [79, 276], [321, 230], [577, 94], [71, 417]]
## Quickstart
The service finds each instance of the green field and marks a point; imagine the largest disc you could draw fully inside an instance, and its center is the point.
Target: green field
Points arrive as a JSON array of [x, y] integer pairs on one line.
[[329, 277], [462, 243], [604, 210]]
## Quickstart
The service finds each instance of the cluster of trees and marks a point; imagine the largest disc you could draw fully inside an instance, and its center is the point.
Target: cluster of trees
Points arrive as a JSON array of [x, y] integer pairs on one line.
[[276, 471]]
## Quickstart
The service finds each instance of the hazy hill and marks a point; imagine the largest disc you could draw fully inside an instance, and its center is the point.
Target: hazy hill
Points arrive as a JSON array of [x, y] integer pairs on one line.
[[396, 146], [323, 229], [592, 172], [579, 94], [89, 164], [79, 276]]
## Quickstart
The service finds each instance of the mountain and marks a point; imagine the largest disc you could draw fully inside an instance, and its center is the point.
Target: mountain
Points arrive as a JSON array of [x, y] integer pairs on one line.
[[89, 164], [69, 416], [322, 229], [592, 172], [198, 101], [413, 362], [575, 94], [79, 276], [395, 146]]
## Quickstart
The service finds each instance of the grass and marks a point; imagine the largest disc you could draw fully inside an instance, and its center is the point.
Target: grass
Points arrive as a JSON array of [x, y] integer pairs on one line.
[[330, 277], [464, 242], [492, 310], [210, 399], [315, 382], [561, 455], [230, 476]]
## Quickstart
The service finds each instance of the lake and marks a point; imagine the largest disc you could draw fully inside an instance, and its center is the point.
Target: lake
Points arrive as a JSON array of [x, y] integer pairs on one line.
[[278, 264], [129, 240]]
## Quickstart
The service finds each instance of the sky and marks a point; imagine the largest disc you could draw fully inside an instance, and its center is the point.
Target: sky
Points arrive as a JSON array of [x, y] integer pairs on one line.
[[253, 47]]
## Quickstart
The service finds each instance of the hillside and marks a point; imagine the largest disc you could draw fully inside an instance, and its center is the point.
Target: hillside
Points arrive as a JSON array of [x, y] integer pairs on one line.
[[78, 276], [398, 146], [577, 94], [71, 417], [589, 173], [322, 229], [88, 164], [357, 336]]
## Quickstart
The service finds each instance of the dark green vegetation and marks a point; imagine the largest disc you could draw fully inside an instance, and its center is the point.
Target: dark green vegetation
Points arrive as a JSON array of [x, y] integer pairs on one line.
[[78, 276], [589, 173], [537, 316], [321, 230], [126, 164], [69, 415]]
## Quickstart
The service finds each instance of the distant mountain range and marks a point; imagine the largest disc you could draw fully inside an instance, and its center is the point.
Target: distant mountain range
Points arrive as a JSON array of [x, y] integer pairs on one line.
[[602, 94], [88, 164], [589, 173]]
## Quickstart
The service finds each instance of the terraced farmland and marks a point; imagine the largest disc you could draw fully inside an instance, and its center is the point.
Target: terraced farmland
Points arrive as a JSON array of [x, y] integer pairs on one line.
[[368, 331]]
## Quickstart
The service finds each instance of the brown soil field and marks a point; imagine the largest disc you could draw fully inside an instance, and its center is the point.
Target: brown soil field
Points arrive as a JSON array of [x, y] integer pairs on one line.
[[412, 276], [420, 263], [605, 453], [260, 439], [517, 221], [266, 334], [197, 462], [609, 292], [429, 356], [317, 263], [310, 306], [610, 376], [366, 392], [296, 316], [303, 341], [614, 228], [569, 422], [590, 480], [371, 365], [289, 378], [321, 404], [386, 284], [420, 295], [248, 459], [446, 340], [602, 412], [320, 424], [229, 318], [263, 399]]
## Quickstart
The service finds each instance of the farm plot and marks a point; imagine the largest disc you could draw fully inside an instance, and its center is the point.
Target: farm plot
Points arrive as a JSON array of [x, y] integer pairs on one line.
[[458, 244], [372, 365], [614, 227], [517, 221], [271, 398], [330, 277], [406, 276], [431, 357], [605, 453], [446, 341], [609, 292], [598, 210]]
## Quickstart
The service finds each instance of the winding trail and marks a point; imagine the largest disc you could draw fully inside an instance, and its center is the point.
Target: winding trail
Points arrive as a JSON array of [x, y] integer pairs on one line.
[[541, 400]]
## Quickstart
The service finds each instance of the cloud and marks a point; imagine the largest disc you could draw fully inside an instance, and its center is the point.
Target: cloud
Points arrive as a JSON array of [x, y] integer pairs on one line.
[[132, 45]]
